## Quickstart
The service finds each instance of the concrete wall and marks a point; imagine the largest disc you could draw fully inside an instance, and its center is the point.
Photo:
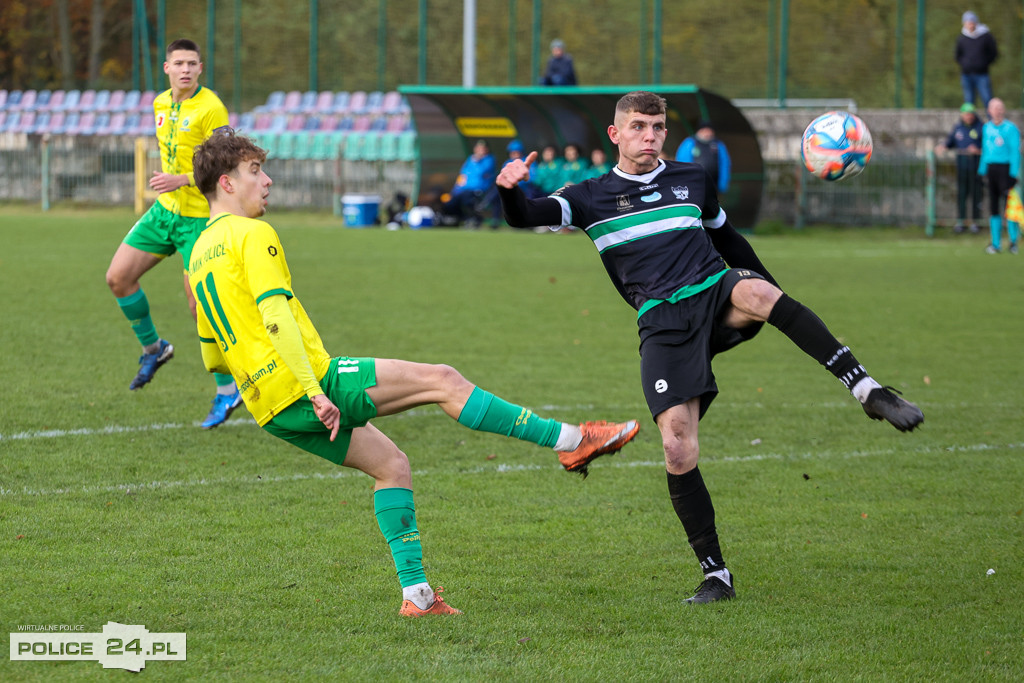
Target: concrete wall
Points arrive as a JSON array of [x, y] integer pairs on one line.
[[895, 132]]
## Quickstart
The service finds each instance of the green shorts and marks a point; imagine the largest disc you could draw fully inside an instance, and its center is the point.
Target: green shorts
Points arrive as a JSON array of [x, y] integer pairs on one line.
[[162, 233], [345, 383]]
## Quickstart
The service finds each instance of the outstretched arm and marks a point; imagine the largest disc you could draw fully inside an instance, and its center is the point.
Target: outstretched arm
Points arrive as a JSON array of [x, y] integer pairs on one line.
[[737, 252], [519, 211]]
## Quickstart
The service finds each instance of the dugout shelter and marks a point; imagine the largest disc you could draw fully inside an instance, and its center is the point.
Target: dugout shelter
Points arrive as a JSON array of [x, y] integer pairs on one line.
[[449, 120]]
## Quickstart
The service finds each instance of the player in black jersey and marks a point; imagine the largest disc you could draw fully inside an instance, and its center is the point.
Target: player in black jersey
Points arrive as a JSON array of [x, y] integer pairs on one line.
[[665, 242]]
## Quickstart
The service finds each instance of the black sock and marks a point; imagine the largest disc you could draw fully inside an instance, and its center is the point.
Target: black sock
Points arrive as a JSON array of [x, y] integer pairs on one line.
[[692, 503], [810, 334]]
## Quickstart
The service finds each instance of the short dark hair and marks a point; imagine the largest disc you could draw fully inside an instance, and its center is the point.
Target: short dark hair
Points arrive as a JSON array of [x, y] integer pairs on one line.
[[183, 44], [641, 102], [221, 154]]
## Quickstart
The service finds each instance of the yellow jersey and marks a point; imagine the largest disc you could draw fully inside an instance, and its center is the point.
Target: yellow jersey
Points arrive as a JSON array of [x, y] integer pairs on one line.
[[236, 263], [180, 128]]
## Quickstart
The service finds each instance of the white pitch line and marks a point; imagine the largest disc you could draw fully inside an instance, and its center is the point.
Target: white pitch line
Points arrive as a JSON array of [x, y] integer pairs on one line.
[[132, 488]]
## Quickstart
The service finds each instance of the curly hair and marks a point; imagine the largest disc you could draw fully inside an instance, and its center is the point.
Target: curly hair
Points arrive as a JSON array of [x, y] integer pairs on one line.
[[221, 154]]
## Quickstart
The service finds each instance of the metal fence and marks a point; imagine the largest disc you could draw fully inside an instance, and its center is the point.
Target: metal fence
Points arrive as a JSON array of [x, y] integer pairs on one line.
[[100, 170]]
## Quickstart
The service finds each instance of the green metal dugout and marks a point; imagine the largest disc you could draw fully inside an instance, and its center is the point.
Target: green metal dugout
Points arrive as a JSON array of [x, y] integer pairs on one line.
[[449, 120]]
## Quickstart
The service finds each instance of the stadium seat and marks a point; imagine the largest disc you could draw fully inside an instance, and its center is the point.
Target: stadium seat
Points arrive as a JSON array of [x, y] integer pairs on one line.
[[354, 144], [362, 123], [131, 100], [279, 123], [131, 123], [115, 126], [303, 148], [70, 123], [323, 102], [55, 126], [116, 102], [407, 146], [84, 122], [87, 102], [246, 122], [43, 100], [296, 122], [392, 103], [292, 100], [320, 145], [56, 102], [13, 98], [27, 101], [312, 123], [42, 122], [5, 120], [25, 123], [388, 147], [71, 98], [308, 102], [146, 101], [275, 101], [357, 102], [3, 99], [329, 122], [378, 124], [102, 100], [396, 124], [346, 123], [268, 141], [263, 121], [374, 103], [92, 121], [340, 103], [286, 145]]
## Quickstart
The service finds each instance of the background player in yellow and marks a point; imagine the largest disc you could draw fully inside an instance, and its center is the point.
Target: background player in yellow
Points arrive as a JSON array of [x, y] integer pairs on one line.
[[186, 114], [251, 324]]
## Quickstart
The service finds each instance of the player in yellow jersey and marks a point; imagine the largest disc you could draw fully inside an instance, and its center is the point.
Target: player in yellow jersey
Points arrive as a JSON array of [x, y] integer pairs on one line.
[[251, 323], [186, 114]]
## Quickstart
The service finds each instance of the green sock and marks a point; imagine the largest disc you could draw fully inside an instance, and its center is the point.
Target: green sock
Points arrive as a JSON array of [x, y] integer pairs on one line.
[[223, 380], [486, 412], [136, 308], [396, 517]]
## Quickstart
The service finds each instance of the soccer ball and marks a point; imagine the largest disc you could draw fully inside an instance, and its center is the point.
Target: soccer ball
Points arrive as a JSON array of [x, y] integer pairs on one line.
[[420, 217], [836, 145]]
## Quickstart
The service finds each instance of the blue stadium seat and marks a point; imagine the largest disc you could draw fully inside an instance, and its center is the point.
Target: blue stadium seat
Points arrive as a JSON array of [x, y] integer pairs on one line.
[[43, 100], [275, 101], [3, 99], [340, 104], [312, 123], [9, 119], [131, 100], [42, 122], [13, 99], [308, 102], [102, 100], [71, 98], [247, 122]]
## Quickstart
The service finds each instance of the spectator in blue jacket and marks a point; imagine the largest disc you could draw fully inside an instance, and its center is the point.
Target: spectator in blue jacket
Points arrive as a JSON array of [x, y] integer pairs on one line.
[[975, 52], [965, 141], [467, 202], [1000, 162], [560, 70], [704, 148]]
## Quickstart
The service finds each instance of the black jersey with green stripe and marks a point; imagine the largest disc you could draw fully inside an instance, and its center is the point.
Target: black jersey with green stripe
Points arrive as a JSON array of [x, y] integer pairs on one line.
[[649, 229]]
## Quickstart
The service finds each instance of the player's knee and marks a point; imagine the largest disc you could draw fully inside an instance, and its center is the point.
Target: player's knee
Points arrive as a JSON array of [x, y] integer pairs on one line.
[[449, 379], [395, 467], [756, 297], [681, 452]]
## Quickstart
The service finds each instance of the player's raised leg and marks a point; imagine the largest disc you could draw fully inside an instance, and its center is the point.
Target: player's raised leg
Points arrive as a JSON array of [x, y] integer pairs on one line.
[[755, 299], [127, 267], [403, 385]]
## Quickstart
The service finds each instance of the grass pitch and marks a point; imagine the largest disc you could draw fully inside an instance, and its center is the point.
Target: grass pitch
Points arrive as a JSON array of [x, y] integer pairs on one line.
[[860, 552]]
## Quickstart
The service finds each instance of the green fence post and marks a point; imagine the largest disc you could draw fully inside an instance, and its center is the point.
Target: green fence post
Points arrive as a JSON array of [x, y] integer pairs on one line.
[[44, 150], [898, 66], [929, 174], [801, 197]]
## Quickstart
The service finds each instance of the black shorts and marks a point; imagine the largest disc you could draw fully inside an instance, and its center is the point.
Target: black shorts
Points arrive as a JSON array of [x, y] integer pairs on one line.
[[678, 341]]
